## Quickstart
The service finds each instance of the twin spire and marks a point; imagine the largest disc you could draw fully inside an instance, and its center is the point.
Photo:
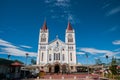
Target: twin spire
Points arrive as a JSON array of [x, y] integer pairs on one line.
[[69, 27], [44, 27]]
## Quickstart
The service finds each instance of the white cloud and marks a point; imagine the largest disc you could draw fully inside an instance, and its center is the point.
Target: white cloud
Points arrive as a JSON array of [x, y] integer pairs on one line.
[[117, 50], [59, 3], [54, 16], [80, 52], [116, 42], [73, 19], [24, 46], [62, 10], [8, 48], [113, 11], [106, 5], [47, 1], [62, 3], [97, 51], [6, 44], [18, 52], [70, 17]]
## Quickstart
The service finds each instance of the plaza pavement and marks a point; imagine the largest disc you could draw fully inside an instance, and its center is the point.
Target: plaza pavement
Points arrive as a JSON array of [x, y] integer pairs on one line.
[[68, 77]]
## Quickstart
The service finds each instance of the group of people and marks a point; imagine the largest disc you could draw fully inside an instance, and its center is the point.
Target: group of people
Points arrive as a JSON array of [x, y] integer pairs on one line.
[[41, 73]]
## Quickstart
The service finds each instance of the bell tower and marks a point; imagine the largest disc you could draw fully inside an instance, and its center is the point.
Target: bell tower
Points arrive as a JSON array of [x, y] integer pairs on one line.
[[43, 44], [70, 44]]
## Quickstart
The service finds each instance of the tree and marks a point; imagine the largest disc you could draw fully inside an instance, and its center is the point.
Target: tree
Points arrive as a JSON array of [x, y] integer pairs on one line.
[[98, 61], [9, 56], [19, 61], [113, 67], [33, 61]]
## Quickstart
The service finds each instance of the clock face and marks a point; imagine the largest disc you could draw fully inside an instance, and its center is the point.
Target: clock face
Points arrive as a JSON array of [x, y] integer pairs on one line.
[[43, 35], [56, 49], [69, 35]]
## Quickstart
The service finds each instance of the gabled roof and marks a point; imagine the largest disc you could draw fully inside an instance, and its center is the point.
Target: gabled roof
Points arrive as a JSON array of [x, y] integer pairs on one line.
[[69, 27], [57, 39], [44, 27]]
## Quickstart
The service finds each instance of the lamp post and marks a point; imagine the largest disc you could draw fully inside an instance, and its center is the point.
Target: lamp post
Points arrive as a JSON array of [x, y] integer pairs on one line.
[[107, 58], [26, 57], [87, 63]]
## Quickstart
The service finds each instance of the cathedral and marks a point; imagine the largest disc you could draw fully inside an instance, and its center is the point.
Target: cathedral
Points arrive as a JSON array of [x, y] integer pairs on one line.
[[57, 56]]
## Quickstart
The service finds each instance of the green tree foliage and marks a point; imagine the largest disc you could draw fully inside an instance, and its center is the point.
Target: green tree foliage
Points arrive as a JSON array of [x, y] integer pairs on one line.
[[33, 61], [18, 61], [113, 66], [98, 61], [9, 56]]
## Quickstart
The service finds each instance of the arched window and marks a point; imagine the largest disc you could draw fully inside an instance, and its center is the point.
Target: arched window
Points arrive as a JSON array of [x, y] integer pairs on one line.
[[71, 56], [42, 56], [63, 57], [43, 37], [49, 57], [54, 56], [70, 38], [59, 56]]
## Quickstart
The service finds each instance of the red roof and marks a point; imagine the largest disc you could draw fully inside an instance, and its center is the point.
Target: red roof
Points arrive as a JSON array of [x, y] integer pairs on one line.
[[118, 66], [69, 27], [44, 27], [16, 64]]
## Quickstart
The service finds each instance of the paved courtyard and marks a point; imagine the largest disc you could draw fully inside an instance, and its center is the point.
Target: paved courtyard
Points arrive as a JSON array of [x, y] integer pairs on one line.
[[68, 77]]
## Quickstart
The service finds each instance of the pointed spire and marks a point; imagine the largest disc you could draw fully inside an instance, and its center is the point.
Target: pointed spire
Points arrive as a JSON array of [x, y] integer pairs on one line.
[[44, 27], [69, 27]]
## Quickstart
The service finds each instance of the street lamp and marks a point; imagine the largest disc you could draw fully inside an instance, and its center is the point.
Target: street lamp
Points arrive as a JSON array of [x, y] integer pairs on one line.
[[26, 57], [107, 58], [87, 63]]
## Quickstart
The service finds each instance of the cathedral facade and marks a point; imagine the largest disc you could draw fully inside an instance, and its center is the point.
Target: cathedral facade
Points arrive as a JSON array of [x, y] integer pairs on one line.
[[57, 56]]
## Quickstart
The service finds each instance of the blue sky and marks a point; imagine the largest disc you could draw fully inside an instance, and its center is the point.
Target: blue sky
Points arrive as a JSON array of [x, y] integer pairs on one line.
[[96, 24]]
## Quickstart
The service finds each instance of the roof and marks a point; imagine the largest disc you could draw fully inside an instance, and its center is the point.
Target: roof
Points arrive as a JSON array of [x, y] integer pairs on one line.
[[16, 64], [9, 62], [69, 27], [44, 27], [57, 39], [5, 61]]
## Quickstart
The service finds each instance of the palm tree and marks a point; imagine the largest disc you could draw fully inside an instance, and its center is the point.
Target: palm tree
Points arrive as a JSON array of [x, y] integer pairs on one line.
[[9, 56], [33, 61]]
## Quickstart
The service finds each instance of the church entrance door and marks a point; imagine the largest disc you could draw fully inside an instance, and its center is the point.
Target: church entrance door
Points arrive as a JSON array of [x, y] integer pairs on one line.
[[50, 70], [57, 68]]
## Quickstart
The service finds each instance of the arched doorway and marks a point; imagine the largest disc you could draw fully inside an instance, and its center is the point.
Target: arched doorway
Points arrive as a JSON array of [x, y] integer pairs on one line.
[[50, 69], [57, 68], [64, 69]]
